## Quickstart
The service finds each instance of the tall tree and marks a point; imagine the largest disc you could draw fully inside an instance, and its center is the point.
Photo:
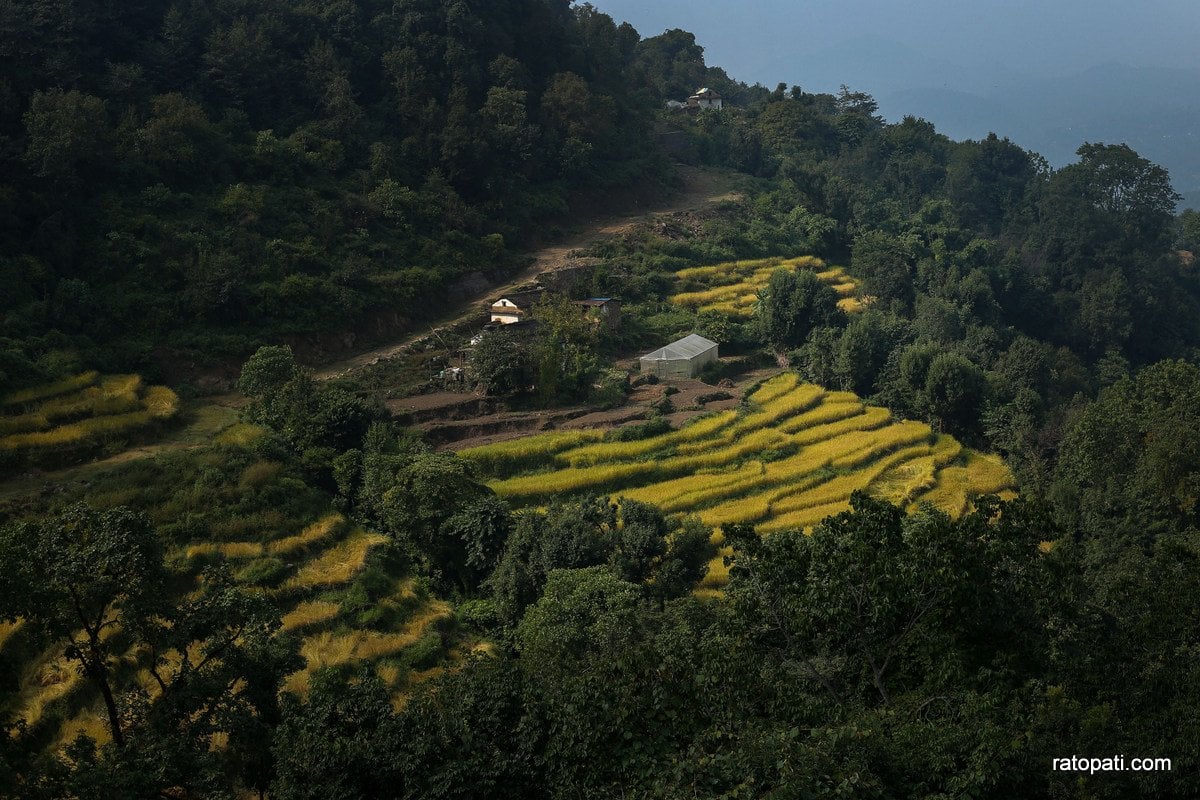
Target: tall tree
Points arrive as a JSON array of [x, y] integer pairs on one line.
[[792, 304], [80, 575]]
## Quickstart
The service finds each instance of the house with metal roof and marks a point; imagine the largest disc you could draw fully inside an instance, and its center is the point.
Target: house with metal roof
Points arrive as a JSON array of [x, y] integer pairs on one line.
[[682, 359]]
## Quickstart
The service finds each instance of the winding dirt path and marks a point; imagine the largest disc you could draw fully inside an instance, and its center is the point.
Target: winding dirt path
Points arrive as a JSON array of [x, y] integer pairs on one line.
[[700, 189]]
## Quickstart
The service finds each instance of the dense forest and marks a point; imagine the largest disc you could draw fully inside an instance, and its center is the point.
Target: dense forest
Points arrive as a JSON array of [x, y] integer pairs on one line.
[[190, 178], [207, 180]]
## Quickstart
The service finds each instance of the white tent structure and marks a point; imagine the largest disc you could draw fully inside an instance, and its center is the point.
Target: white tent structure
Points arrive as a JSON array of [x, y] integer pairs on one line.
[[682, 359]]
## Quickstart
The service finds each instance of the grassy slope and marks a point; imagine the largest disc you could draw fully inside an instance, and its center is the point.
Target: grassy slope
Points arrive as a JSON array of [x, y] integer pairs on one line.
[[339, 588]]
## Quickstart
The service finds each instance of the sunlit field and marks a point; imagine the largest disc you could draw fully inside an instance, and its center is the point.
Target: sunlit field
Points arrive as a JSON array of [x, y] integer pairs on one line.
[[790, 457], [733, 287]]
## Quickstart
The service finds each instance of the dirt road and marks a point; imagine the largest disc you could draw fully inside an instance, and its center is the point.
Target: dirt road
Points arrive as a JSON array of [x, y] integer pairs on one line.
[[700, 189]]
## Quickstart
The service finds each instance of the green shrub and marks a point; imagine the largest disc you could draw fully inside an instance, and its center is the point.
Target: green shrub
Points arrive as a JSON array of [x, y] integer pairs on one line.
[[262, 572], [610, 391], [425, 652], [479, 614], [655, 426]]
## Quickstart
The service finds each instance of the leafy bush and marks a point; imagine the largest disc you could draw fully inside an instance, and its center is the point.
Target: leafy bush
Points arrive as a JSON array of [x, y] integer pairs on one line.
[[262, 572], [655, 426]]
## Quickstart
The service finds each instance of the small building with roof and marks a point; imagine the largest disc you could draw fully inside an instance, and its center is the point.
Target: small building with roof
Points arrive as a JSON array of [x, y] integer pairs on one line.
[[705, 98], [515, 307], [602, 310], [682, 359]]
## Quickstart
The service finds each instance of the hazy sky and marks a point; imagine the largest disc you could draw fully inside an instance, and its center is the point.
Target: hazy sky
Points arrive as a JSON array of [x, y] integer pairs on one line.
[[753, 38]]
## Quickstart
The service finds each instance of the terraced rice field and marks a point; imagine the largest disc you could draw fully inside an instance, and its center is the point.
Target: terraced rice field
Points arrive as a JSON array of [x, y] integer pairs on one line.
[[790, 458], [85, 410], [733, 287], [312, 578]]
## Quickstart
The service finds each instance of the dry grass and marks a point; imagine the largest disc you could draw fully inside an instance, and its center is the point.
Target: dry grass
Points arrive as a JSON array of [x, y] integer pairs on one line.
[[718, 294], [734, 288], [788, 405], [241, 434], [774, 387], [902, 483], [89, 722], [570, 480], [972, 475], [8, 630], [793, 473], [319, 531], [338, 564], [987, 473], [800, 449], [48, 680], [23, 423], [310, 613], [884, 440], [616, 451], [329, 649], [90, 399], [804, 519], [226, 549], [871, 418], [827, 411], [259, 474], [683, 493], [503, 457], [756, 507], [109, 409], [44, 391], [160, 402]]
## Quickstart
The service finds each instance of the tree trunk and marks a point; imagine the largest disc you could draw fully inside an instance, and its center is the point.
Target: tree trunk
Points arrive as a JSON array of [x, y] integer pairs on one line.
[[95, 667]]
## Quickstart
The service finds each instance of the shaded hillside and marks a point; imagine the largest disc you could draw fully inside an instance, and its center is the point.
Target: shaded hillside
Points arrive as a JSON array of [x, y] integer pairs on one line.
[[199, 177]]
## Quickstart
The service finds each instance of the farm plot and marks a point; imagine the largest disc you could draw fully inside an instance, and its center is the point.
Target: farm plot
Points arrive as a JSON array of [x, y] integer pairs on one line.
[[329, 595], [327, 580], [62, 420], [733, 287], [791, 458]]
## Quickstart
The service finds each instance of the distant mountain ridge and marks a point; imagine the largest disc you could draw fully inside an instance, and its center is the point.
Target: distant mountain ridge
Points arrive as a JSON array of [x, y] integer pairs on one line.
[[1155, 110]]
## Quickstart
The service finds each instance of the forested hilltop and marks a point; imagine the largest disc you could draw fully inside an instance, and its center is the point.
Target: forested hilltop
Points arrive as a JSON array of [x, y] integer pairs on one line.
[[201, 176], [294, 588]]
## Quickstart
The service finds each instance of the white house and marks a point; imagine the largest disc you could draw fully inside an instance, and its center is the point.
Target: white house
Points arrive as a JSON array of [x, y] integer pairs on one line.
[[705, 98], [517, 307]]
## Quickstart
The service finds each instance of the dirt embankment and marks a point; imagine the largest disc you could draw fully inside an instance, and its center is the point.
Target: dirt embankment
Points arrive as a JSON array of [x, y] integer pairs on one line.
[[455, 421]]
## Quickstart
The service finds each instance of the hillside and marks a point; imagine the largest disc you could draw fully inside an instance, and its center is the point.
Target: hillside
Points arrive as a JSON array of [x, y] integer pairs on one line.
[[283, 515], [184, 184]]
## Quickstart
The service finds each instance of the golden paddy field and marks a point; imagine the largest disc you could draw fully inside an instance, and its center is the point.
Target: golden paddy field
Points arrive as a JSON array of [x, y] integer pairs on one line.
[[733, 287], [321, 561], [85, 409], [791, 457]]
